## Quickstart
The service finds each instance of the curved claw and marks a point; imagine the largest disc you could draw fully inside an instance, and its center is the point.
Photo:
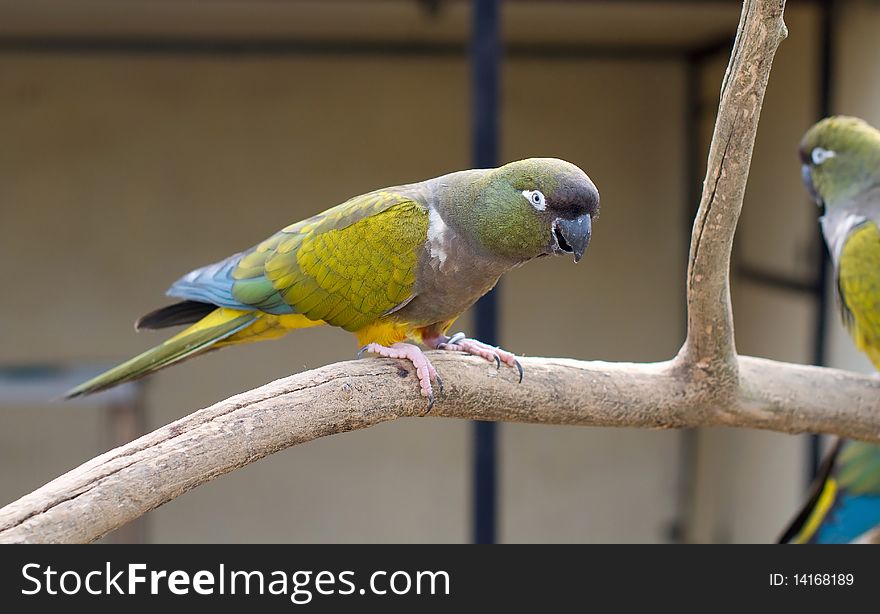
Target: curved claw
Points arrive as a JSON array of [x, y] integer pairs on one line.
[[440, 382], [361, 351], [430, 404], [456, 338], [518, 368], [497, 361]]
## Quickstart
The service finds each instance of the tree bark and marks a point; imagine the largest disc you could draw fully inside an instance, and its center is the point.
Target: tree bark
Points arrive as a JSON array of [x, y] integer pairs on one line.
[[706, 384], [124, 483], [710, 340]]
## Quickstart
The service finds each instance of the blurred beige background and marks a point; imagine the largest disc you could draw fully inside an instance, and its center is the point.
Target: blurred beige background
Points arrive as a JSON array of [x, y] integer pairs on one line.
[[120, 171]]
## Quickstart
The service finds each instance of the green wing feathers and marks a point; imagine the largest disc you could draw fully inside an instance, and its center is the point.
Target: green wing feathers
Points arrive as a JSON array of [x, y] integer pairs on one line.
[[345, 267], [859, 468]]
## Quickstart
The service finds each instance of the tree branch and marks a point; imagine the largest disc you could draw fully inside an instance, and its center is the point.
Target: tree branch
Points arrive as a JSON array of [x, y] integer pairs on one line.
[[706, 384], [124, 483], [710, 342]]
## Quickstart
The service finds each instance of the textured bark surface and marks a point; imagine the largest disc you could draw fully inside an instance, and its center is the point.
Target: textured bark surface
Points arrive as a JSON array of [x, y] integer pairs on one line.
[[706, 384], [124, 483], [710, 340]]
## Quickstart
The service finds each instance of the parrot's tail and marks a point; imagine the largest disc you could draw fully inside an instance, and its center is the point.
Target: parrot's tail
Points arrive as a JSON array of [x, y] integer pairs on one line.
[[822, 495], [205, 334]]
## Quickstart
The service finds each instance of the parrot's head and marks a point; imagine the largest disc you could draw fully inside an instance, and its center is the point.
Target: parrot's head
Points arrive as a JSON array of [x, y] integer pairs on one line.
[[840, 158], [536, 207]]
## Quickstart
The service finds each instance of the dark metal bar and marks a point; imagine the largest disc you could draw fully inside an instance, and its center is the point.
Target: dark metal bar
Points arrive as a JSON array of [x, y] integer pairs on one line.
[[679, 529], [96, 44], [778, 281], [693, 111], [232, 47], [820, 325], [710, 49], [485, 63]]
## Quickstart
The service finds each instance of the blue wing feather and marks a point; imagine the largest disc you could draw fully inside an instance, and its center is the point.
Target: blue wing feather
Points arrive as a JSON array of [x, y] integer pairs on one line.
[[850, 517], [214, 284], [209, 284]]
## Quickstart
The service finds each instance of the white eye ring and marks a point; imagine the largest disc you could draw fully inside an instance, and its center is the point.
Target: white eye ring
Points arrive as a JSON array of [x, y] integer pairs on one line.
[[536, 197], [819, 155]]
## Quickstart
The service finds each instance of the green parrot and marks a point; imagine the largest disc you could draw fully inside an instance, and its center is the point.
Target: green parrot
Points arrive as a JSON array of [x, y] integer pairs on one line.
[[840, 159], [399, 263], [844, 502]]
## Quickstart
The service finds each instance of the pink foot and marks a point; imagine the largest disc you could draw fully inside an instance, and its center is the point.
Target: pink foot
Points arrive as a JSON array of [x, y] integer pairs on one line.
[[459, 343], [424, 369]]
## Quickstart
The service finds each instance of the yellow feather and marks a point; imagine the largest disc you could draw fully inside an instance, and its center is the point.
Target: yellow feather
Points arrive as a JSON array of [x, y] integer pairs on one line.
[[268, 327], [221, 315], [383, 333], [817, 515]]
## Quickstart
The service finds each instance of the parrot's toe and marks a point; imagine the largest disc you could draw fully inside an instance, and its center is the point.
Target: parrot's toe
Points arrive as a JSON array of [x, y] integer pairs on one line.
[[425, 371], [454, 339], [460, 343]]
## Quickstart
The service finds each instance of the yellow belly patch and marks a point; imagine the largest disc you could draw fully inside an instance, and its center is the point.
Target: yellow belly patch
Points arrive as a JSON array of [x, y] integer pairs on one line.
[[383, 333]]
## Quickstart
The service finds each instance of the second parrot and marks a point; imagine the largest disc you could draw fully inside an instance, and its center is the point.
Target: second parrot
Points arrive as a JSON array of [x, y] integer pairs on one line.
[[840, 159]]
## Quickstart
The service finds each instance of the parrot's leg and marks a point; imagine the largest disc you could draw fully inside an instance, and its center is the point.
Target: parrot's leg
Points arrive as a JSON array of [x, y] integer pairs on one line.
[[424, 369], [460, 343]]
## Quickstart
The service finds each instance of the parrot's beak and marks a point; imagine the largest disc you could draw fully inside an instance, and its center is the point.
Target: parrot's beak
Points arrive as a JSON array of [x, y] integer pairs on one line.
[[573, 236], [807, 177]]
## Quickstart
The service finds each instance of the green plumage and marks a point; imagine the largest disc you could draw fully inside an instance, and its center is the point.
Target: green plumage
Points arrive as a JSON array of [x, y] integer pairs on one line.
[[858, 469], [393, 264], [841, 170], [339, 267]]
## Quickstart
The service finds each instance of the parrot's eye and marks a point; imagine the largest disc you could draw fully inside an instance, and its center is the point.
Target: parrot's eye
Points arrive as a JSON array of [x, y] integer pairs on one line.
[[819, 155], [536, 197]]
